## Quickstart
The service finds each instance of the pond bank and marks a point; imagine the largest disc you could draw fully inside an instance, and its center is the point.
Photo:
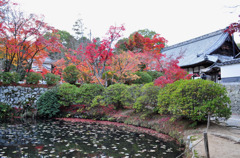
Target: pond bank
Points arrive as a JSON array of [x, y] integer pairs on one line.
[[122, 126], [219, 135], [159, 123], [152, 124]]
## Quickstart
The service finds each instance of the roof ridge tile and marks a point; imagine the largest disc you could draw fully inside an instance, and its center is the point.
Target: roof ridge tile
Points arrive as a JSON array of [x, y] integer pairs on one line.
[[194, 39]]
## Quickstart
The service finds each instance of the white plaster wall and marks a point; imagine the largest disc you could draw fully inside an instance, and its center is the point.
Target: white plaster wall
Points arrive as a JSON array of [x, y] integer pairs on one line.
[[230, 71]]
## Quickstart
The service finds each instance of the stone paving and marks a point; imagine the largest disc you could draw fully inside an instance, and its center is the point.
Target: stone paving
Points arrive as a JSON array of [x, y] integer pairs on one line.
[[233, 121]]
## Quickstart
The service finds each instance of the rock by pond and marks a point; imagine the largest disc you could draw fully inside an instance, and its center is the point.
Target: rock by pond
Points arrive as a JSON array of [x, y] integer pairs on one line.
[[76, 139]]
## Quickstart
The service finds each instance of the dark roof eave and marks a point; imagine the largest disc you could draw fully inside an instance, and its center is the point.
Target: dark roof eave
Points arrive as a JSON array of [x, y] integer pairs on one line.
[[207, 62]]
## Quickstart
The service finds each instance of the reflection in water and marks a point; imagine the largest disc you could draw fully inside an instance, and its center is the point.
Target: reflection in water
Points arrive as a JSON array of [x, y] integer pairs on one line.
[[66, 139]]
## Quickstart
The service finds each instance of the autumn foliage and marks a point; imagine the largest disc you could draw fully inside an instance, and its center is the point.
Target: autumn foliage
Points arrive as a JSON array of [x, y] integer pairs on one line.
[[124, 65], [25, 39], [95, 59], [98, 63], [172, 73], [138, 43]]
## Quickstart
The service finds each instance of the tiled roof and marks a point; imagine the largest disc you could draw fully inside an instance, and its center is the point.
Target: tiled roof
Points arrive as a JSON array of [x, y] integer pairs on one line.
[[197, 50], [229, 62]]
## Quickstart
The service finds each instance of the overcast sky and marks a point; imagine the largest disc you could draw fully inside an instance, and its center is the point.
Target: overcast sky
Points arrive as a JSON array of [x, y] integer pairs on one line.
[[175, 20]]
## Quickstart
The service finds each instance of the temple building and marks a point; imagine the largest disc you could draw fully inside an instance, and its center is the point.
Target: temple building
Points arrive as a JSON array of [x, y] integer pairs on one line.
[[204, 54]]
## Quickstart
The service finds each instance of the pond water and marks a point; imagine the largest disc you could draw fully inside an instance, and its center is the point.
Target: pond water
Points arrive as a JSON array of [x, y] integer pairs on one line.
[[67, 139]]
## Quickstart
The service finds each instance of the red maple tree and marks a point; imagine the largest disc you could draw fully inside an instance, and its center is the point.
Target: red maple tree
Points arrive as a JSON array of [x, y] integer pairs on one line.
[[26, 39], [153, 60], [95, 59], [172, 72]]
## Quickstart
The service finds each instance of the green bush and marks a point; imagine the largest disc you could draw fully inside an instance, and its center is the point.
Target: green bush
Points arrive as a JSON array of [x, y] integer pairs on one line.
[[148, 97], [164, 99], [48, 105], [71, 74], [6, 111], [87, 92], [194, 99], [33, 78], [10, 77], [51, 79], [98, 101], [130, 94], [68, 94], [111, 96], [16, 77], [144, 78], [154, 74], [7, 77]]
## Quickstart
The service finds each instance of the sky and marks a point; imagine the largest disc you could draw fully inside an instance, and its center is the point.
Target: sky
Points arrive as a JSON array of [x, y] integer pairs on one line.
[[175, 20]]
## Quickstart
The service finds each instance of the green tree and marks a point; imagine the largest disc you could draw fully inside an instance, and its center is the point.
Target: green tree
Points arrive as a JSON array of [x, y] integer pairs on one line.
[[120, 45], [67, 39], [145, 33]]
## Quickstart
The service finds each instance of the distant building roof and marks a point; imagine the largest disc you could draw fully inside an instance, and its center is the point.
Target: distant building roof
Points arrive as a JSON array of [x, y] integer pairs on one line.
[[198, 50], [48, 61]]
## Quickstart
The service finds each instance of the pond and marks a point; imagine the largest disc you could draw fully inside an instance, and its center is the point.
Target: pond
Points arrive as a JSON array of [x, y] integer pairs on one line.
[[68, 139]]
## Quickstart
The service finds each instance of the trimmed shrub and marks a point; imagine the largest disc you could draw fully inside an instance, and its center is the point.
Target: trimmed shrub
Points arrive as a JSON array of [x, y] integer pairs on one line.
[[144, 78], [164, 99], [10, 77], [194, 99], [16, 77], [130, 94], [148, 98], [87, 92], [52, 79], [154, 74], [7, 77], [98, 101], [68, 94], [71, 74], [48, 105], [6, 111], [33, 78], [111, 96]]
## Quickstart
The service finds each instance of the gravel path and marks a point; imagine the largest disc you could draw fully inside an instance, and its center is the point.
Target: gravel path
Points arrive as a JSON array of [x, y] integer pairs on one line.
[[223, 139]]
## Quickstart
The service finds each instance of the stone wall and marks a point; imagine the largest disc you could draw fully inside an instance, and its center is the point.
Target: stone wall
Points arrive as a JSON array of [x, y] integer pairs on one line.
[[18, 96], [234, 94]]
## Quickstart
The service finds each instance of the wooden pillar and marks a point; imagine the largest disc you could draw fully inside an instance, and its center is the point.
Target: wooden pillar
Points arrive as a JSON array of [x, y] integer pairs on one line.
[[206, 144]]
